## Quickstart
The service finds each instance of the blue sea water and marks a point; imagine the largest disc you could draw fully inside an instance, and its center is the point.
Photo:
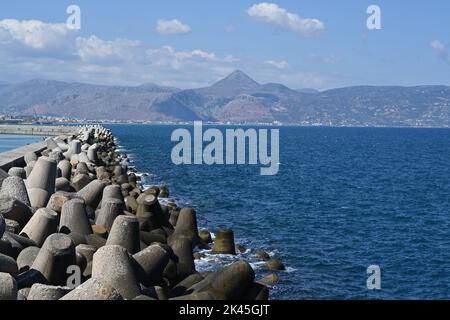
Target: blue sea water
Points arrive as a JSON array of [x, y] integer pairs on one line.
[[10, 142], [344, 199]]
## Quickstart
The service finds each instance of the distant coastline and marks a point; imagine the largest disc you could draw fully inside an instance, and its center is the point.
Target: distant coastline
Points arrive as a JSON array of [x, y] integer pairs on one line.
[[236, 99], [207, 123]]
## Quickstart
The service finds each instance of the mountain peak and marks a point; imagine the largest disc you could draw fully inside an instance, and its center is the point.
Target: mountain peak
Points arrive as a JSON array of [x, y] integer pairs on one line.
[[240, 77], [233, 85]]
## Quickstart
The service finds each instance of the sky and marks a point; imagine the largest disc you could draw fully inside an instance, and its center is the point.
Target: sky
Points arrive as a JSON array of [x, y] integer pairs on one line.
[[187, 44]]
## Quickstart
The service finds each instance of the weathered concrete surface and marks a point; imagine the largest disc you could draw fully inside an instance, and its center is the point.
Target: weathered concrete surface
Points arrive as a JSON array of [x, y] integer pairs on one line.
[[15, 158]]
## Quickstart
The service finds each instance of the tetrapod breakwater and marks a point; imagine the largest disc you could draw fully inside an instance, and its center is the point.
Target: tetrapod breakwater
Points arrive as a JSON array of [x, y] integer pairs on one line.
[[75, 224]]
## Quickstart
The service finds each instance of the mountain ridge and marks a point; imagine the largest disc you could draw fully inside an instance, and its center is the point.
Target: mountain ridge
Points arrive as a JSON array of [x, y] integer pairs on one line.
[[236, 98]]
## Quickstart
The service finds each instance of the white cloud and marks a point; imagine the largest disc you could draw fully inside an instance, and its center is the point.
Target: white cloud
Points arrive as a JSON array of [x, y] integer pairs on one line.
[[57, 53], [441, 50], [437, 45], [36, 38], [33, 49], [33, 33], [174, 26], [94, 49], [273, 14], [278, 64], [196, 54]]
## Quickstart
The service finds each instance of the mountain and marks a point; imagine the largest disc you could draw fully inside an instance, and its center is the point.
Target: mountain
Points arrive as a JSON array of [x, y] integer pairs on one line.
[[308, 90], [236, 98], [80, 100], [233, 85], [381, 106], [157, 88]]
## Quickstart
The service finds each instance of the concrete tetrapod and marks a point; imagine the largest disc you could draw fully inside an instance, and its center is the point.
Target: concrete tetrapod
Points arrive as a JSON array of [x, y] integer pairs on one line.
[[26, 258], [113, 266], [8, 287], [92, 193], [224, 242], [66, 169], [62, 184], [80, 181], [15, 188], [55, 256], [38, 197], [230, 283], [13, 209], [74, 218], [8, 265], [87, 251], [42, 224], [28, 170], [146, 213], [42, 177], [82, 168], [17, 172], [150, 264], [30, 157], [182, 247], [131, 204], [125, 232], [51, 144], [16, 243], [112, 192], [93, 289], [182, 287], [11, 226], [186, 226], [74, 148], [92, 153], [205, 235], [58, 199], [46, 292], [110, 210], [256, 292]]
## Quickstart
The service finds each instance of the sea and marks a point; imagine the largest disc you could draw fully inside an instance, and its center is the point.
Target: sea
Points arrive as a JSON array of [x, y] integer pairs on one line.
[[10, 142], [344, 199]]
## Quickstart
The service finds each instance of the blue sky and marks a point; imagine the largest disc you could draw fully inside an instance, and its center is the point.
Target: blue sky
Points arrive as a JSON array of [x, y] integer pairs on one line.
[[198, 42]]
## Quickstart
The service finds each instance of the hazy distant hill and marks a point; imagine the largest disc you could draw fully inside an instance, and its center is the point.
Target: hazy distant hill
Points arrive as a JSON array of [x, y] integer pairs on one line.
[[308, 90], [237, 98]]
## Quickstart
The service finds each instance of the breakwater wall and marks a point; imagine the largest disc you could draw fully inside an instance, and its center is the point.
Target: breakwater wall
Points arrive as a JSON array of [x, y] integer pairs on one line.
[[75, 224], [15, 158], [34, 130]]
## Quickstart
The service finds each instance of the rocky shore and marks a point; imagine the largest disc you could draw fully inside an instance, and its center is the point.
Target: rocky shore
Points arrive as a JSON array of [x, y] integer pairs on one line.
[[75, 224]]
